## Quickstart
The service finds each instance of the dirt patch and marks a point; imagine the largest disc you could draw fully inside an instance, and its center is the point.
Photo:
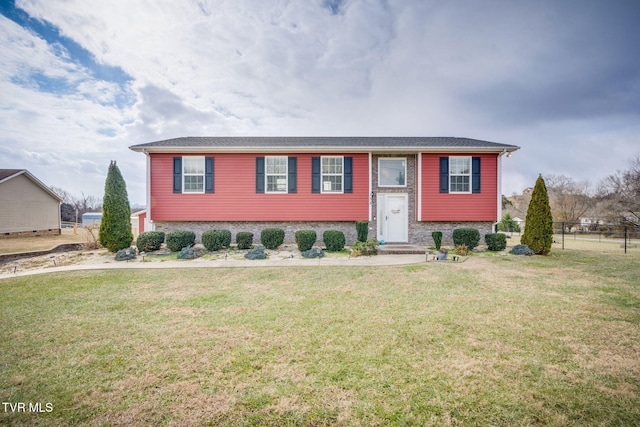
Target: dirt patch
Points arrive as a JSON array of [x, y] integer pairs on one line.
[[40, 262], [102, 256]]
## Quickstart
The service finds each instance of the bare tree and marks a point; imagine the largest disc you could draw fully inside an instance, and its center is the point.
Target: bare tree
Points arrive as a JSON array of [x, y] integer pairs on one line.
[[63, 194], [71, 204], [570, 200], [88, 204], [621, 192], [67, 207]]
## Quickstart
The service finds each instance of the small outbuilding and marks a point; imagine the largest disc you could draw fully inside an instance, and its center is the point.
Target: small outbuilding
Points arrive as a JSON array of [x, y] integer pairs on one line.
[[90, 219], [27, 206], [139, 222]]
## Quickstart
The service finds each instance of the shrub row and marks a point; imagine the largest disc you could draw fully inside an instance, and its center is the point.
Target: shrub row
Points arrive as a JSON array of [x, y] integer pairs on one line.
[[213, 240], [470, 237], [272, 238]]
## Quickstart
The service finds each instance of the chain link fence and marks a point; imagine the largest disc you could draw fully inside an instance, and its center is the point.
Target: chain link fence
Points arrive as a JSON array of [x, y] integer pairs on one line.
[[625, 236], [581, 236]]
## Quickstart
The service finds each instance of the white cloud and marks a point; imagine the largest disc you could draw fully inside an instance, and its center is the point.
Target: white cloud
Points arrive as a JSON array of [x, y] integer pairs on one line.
[[559, 80]]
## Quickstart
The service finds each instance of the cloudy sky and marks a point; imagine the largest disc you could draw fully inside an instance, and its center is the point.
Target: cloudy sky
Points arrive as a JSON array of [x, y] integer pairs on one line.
[[81, 81]]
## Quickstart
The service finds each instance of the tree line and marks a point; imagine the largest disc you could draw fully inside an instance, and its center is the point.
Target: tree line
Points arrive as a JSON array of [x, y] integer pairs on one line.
[[71, 205], [614, 200], [80, 204]]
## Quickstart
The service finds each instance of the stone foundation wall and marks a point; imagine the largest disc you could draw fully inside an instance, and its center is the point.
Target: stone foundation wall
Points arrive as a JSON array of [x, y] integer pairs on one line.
[[420, 232], [289, 227], [34, 233]]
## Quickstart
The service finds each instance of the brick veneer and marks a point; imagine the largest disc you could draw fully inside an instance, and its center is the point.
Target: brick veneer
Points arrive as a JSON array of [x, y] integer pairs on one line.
[[34, 233], [289, 227]]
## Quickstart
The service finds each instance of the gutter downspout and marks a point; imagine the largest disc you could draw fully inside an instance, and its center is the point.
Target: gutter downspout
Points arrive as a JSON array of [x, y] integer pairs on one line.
[[148, 188], [499, 206]]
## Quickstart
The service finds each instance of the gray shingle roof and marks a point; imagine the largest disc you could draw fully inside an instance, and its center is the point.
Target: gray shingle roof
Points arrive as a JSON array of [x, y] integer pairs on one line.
[[6, 173], [323, 143]]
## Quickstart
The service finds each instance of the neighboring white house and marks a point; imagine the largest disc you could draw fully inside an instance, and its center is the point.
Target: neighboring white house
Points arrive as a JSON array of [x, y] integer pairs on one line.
[[27, 206], [587, 223], [520, 222]]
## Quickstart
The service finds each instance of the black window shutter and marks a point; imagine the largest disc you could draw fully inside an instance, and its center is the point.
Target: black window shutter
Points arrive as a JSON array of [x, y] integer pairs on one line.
[[208, 174], [259, 174], [475, 174], [444, 174], [315, 174], [177, 174], [348, 174], [292, 172]]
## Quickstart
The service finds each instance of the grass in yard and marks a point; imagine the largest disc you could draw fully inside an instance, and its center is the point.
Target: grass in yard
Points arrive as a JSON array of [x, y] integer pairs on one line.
[[497, 340], [26, 244]]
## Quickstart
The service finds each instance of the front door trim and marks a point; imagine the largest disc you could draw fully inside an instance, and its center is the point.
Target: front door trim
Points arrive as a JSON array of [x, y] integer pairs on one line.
[[388, 212]]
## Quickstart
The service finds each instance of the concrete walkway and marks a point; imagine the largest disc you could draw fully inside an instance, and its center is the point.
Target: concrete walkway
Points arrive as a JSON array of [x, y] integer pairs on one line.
[[379, 260]]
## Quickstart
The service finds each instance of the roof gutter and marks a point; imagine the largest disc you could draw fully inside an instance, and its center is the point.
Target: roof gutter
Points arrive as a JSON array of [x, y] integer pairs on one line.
[[324, 149]]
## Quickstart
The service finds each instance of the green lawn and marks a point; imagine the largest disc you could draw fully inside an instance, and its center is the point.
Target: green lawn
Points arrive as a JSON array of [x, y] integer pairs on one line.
[[496, 340]]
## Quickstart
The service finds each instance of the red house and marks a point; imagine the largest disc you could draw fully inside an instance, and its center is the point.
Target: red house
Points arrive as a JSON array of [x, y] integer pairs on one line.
[[405, 187]]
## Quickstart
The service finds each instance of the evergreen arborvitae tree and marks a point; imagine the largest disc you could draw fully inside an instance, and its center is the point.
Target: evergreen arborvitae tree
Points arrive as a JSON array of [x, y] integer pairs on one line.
[[538, 232], [115, 228]]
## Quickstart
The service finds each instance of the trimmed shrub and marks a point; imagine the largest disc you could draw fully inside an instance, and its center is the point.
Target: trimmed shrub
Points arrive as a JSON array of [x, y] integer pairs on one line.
[[187, 253], [437, 239], [522, 250], [179, 239], [313, 253], [214, 240], [466, 236], [305, 239], [256, 253], [115, 227], [271, 238], [496, 241], [362, 229], [538, 232], [244, 240], [150, 241], [334, 240]]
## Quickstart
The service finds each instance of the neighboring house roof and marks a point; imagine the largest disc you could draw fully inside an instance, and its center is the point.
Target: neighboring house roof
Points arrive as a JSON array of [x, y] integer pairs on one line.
[[353, 144], [7, 174]]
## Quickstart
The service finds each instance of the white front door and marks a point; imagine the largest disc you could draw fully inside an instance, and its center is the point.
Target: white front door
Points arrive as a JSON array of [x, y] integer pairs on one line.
[[393, 217]]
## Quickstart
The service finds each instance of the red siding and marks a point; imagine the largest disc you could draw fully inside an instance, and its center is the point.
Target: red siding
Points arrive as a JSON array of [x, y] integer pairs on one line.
[[141, 219], [438, 206], [235, 197]]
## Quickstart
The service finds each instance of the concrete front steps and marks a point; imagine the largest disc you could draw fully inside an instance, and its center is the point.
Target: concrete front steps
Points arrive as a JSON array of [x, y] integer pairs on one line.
[[401, 249]]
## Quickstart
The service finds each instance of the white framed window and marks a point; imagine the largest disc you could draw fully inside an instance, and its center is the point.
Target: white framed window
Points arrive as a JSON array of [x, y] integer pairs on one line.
[[193, 174], [459, 174], [276, 174], [392, 172], [332, 174]]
